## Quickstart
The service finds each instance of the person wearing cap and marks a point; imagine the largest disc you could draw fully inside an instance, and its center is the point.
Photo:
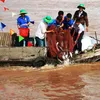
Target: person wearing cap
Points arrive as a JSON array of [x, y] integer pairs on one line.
[[23, 21], [82, 15], [41, 30]]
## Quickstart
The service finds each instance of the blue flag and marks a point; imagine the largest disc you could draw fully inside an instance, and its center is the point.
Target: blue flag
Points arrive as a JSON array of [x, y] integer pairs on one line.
[[2, 25], [32, 22]]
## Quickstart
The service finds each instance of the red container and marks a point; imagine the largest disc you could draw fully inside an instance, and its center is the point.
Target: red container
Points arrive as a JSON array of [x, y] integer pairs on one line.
[[24, 32]]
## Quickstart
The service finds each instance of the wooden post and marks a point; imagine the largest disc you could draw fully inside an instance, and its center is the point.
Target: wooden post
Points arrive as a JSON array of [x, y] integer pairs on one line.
[[5, 39], [96, 37]]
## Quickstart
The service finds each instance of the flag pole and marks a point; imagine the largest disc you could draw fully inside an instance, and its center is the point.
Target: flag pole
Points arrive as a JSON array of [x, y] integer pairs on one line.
[[96, 37]]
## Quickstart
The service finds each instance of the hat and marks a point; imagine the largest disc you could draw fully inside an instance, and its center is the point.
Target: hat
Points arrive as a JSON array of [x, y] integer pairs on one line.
[[23, 11], [48, 19], [81, 6]]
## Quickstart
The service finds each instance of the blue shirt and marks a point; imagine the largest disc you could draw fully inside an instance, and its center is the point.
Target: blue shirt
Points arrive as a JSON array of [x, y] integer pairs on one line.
[[54, 23], [22, 22], [68, 24]]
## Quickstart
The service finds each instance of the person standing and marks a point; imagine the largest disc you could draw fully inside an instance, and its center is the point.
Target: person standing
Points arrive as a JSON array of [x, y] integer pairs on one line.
[[42, 30], [23, 22], [82, 15], [78, 35]]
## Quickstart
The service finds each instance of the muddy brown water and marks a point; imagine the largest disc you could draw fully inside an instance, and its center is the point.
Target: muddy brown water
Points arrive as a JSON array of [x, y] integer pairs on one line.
[[74, 82]]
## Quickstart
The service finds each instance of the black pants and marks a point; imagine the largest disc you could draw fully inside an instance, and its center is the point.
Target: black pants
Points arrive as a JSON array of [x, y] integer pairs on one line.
[[16, 43], [25, 40], [78, 45]]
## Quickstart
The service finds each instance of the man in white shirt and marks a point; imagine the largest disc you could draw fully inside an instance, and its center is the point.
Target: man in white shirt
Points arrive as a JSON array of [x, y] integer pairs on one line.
[[41, 30], [78, 35]]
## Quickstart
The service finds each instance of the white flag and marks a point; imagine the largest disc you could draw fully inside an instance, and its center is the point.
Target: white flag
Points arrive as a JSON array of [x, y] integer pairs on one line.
[[13, 14]]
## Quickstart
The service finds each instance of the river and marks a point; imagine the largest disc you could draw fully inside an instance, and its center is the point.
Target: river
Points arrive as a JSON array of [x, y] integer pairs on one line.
[[74, 82]]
